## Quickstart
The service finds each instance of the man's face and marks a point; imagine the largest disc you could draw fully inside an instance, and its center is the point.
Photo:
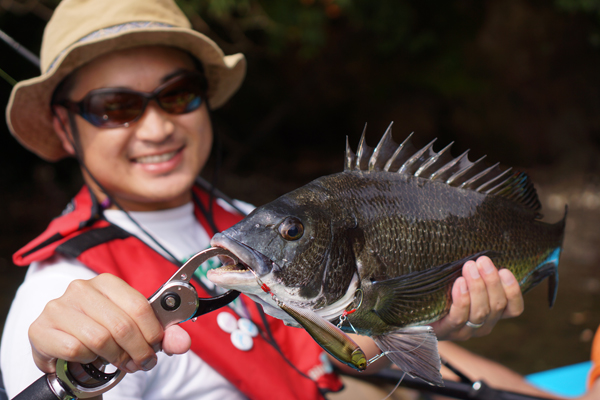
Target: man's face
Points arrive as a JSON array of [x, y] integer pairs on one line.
[[152, 163]]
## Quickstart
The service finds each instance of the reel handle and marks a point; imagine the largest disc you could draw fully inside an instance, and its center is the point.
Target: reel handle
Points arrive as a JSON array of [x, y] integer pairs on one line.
[[47, 387]]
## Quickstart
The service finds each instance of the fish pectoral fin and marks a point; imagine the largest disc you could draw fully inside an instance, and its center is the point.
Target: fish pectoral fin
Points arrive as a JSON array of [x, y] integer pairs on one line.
[[416, 291], [414, 350]]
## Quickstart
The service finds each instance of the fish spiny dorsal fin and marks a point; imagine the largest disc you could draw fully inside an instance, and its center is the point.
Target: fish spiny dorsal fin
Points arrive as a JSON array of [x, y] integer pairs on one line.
[[434, 163], [419, 158], [453, 166], [364, 152], [481, 177], [472, 169], [402, 153], [384, 150], [350, 157], [441, 166]]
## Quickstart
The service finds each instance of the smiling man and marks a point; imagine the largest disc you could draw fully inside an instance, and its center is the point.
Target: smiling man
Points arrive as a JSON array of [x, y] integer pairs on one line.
[[127, 89]]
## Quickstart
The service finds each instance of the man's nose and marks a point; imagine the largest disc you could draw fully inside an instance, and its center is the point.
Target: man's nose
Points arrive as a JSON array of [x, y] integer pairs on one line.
[[155, 125]]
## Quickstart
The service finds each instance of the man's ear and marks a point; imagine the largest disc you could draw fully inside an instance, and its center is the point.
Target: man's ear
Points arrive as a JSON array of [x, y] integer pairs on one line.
[[60, 122]]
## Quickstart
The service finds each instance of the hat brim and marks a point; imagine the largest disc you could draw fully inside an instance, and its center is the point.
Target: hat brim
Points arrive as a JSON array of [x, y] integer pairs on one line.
[[28, 113]]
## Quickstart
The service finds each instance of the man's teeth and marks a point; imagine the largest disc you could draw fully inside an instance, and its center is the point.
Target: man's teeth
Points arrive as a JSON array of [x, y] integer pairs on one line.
[[156, 158]]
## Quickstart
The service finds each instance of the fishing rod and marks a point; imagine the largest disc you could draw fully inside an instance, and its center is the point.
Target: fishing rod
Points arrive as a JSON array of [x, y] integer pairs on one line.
[[20, 49], [463, 390]]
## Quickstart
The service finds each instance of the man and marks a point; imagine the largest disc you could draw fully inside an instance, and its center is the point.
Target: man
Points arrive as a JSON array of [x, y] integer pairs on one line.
[[128, 89]]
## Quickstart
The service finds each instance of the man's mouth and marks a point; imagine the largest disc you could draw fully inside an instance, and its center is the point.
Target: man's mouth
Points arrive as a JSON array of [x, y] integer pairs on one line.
[[157, 158]]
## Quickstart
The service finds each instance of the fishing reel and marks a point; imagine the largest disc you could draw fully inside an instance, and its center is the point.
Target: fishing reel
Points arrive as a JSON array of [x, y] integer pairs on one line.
[[87, 380], [73, 381]]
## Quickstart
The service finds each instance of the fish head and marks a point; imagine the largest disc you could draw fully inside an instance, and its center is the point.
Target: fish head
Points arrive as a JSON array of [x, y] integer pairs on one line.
[[289, 248]]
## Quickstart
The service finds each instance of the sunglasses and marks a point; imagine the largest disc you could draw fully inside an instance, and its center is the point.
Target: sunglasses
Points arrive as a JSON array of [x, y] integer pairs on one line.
[[117, 107]]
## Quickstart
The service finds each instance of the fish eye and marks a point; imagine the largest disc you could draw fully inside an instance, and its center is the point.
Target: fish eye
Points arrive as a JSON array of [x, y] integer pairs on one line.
[[291, 228]]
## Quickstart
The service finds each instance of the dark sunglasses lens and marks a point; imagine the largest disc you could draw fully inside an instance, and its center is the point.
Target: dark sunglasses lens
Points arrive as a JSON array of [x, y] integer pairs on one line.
[[113, 109], [183, 96]]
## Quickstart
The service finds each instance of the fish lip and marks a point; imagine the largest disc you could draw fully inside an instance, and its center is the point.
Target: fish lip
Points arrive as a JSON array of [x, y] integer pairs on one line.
[[253, 260]]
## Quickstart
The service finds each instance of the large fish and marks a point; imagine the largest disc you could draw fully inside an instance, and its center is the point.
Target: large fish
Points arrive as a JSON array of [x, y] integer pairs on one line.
[[376, 248]]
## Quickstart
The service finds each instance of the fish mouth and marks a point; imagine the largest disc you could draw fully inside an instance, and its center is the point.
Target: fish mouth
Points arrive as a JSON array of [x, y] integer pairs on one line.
[[243, 275]]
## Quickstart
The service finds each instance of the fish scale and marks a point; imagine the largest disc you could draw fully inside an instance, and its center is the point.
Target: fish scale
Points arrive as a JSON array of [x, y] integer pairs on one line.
[[381, 244]]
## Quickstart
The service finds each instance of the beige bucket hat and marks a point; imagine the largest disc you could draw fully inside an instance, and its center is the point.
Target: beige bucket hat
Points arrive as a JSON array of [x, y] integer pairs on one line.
[[81, 30]]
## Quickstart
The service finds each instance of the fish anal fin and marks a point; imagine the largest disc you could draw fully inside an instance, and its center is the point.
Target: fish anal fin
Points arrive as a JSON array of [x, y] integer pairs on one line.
[[414, 350], [398, 297]]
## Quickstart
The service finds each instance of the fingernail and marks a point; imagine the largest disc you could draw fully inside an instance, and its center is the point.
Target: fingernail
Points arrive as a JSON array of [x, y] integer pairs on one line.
[[149, 363], [131, 367], [488, 267], [474, 271], [463, 286], [157, 347], [507, 279]]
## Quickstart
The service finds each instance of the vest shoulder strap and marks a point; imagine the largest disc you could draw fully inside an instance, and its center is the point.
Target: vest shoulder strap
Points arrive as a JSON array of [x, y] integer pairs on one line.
[[90, 238]]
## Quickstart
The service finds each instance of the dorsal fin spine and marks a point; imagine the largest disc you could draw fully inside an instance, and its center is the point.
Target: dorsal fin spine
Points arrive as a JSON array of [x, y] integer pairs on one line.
[[440, 172], [396, 155], [487, 184], [363, 154], [432, 160], [384, 149], [478, 176], [415, 157], [350, 157], [454, 179]]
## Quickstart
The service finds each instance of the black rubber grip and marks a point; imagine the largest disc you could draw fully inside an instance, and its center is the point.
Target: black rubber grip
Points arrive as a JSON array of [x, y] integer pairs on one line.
[[38, 390]]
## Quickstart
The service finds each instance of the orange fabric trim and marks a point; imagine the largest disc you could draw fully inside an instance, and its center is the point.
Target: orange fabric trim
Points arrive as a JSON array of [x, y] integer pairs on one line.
[[595, 371]]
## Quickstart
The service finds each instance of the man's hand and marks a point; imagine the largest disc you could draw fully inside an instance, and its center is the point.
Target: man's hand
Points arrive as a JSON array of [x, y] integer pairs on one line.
[[105, 317], [483, 295]]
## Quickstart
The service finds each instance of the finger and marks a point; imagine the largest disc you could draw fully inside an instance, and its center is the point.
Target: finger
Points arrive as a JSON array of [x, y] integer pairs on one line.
[[451, 326], [108, 302], [515, 303], [176, 340], [71, 348], [495, 291], [135, 305], [66, 333], [480, 307]]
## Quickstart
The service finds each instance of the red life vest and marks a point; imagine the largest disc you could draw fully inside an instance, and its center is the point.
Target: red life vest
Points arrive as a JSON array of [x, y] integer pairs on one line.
[[260, 373]]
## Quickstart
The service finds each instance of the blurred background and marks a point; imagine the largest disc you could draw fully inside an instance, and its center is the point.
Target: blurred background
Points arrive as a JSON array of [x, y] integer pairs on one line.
[[518, 80]]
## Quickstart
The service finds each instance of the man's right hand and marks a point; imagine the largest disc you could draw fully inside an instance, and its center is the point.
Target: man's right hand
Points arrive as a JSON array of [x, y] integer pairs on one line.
[[105, 317]]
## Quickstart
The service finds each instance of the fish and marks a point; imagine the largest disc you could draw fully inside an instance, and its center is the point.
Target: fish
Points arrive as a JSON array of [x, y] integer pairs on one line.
[[375, 249]]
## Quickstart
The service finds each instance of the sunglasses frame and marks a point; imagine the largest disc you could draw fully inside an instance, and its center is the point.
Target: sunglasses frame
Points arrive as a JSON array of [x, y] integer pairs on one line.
[[81, 107]]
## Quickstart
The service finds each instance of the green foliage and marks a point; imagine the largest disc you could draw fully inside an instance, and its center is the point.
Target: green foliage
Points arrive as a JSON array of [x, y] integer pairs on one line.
[[305, 24], [589, 7]]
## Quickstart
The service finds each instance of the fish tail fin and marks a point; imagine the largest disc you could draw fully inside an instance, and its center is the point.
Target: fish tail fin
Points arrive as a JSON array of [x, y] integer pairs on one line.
[[548, 267], [552, 286], [414, 350], [561, 225], [553, 264]]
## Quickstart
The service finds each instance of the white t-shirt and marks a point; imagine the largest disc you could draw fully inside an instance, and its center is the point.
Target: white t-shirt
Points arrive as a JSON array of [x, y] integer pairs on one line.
[[178, 377]]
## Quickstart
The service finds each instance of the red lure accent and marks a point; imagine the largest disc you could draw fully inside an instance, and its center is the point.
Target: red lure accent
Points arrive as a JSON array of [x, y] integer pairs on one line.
[[346, 313], [265, 288]]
